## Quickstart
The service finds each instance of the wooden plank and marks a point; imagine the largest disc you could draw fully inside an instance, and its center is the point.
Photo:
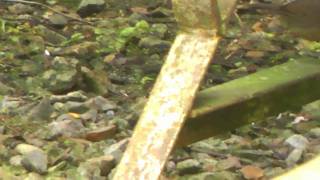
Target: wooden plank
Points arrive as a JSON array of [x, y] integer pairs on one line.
[[174, 91], [163, 116], [252, 98]]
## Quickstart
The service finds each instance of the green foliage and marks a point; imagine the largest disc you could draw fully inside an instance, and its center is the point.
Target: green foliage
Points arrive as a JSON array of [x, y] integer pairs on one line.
[[76, 37], [147, 79], [2, 25], [115, 40], [315, 46]]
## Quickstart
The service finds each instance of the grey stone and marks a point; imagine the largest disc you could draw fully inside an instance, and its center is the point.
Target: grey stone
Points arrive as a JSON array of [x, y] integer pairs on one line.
[[189, 166], [68, 128], [116, 150], [50, 36], [159, 30], [78, 96], [297, 141], [62, 76], [77, 107], [20, 8], [101, 104], [58, 20], [294, 157], [154, 44], [100, 166], [89, 7], [95, 81], [41, 111], [33, 158], [15, 160], [315, 133]]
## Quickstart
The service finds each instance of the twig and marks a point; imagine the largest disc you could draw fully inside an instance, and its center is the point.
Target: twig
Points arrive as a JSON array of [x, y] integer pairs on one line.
[[48, 7]]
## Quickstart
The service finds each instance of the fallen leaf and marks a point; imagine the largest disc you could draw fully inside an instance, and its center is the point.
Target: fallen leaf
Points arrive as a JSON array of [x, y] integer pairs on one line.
[[102, 133], [252, 172], [74, 115]]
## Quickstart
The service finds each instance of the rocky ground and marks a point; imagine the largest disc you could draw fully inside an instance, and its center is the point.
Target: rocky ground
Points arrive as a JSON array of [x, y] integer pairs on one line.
[[74, 79]]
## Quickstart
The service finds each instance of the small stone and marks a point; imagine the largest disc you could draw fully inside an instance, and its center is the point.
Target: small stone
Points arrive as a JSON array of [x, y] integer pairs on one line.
[[90, 115], [273, 172], [110, 114], [26, 148], [315, 133], [96, 81], [33, 158], [58, 20], [76, 107], [89, 7], [41, 111], [68, 128], [34, 176], [231, 162], [116, 150], [294, 157], [101, 104], [208, 163], [77, 96], [122, 124], [50, 35], [159, 30], [62, 76], [20, 8], [161, 12], [297, 141], [105, 163], [16, 160], [96, 168], [9, 105], [170, 166], [154, 44], [189, 166], [134, 18], [82, 50]]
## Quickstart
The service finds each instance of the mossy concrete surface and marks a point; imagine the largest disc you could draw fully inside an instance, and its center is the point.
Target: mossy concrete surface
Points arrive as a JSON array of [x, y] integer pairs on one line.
[[252, 98]]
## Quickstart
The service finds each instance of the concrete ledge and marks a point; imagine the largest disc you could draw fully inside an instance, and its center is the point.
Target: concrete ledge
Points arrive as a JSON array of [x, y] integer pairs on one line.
[[252, 98]]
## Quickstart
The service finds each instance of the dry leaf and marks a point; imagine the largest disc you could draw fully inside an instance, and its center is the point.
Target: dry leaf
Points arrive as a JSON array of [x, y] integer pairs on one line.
[[102, 133], [252, 172]]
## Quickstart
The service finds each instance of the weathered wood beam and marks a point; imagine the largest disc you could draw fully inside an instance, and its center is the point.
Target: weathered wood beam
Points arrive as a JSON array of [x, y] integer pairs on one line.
[[252, 98], [174, 91]]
